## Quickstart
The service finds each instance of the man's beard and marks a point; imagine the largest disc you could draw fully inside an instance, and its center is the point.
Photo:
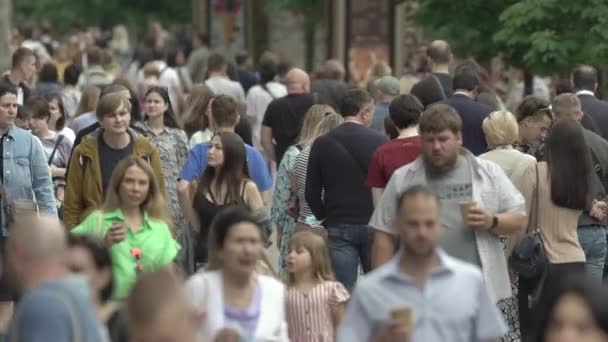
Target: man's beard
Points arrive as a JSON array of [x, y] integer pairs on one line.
[[449, 163], [417, 253]]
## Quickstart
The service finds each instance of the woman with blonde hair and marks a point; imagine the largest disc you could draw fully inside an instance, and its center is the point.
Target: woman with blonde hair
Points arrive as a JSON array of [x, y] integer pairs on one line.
[[88, 100], [502, 131], [196, 122], [134, 223], [283, 193]]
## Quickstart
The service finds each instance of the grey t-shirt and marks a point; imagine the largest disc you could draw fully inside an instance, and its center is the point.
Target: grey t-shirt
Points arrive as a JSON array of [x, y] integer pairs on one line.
[[62, 154], [452, 188]]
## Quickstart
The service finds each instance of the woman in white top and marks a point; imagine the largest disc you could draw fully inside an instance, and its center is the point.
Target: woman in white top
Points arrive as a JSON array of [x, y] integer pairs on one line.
[[231, 294], [259, 96], [58, 119]]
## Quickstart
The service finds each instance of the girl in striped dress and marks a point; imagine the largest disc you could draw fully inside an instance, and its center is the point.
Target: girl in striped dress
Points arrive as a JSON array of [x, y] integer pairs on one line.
[[314, 300]]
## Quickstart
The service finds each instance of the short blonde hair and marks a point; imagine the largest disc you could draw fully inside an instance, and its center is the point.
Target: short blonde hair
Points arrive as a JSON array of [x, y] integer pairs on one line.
[[500, 128]]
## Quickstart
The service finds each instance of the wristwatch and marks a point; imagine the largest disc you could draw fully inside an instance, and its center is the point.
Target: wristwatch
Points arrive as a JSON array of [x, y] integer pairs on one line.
[[494, 222]]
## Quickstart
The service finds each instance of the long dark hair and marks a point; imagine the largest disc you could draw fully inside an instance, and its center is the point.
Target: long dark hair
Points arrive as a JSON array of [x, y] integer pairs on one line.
[[169, 118], [60, 124], [593, 295], [569, 163], [232, 173]]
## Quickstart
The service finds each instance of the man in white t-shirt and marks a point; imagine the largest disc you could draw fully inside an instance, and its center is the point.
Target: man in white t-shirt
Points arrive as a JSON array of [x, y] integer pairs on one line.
[[259, 96], [218, 80]]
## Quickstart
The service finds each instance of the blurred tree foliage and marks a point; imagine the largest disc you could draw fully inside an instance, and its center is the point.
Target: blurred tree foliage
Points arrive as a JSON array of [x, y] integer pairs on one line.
[[311, 9], [541, 36], [549, 36], [63, 14], [469, 26]]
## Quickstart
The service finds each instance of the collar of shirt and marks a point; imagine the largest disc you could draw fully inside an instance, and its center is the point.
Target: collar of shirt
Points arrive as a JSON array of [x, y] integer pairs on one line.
[[393, 271], [10, 132], [148, 129], [585, 92], [118, 215]]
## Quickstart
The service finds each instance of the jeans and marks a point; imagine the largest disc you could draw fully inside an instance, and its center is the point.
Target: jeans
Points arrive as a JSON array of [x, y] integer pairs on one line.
[[593, 241], [348, 245]]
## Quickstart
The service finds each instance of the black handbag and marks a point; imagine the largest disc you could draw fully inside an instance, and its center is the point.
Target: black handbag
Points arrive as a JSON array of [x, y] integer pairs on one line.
[[528, 258]]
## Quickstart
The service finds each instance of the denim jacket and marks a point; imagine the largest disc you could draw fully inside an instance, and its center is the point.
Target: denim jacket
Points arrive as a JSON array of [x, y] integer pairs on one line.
[[492, 190], [26, 173]]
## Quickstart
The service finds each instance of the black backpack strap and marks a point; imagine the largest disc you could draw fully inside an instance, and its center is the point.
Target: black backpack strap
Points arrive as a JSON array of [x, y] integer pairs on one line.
[[52, 156]]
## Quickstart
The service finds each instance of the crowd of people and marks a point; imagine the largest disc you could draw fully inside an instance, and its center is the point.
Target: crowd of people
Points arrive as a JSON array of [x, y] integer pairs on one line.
[[143, 208]]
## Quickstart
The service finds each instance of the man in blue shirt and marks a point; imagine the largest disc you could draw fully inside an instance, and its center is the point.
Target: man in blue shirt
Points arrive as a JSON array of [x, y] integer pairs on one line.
[[224, 118], [55, 306], [422, 294]]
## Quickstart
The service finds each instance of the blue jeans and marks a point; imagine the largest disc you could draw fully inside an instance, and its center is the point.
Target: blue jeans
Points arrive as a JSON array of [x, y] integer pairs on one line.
[[348, 245], [593, 241]]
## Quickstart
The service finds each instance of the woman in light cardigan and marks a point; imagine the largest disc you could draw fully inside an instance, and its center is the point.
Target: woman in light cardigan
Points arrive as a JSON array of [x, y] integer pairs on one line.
[[230, 294]]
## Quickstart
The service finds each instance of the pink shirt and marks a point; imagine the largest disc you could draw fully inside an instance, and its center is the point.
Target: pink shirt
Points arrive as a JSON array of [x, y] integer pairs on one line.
[[310, 314]]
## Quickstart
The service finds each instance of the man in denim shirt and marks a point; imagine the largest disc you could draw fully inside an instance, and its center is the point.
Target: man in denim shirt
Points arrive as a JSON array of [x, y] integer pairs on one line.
[[25, 175]]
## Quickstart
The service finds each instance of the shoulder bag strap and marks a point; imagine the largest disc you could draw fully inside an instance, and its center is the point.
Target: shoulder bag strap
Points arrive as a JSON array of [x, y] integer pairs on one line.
[[438, 82], [263, 85], [59, 139]]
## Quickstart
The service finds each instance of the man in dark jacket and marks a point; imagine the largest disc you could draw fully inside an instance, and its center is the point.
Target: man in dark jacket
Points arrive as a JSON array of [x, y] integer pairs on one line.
[[472, 113], [585, 83]]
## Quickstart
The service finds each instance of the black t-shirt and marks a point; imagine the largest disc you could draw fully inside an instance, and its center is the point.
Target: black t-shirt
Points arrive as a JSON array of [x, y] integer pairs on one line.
[[285, 116], [109, 157], [428, 90]]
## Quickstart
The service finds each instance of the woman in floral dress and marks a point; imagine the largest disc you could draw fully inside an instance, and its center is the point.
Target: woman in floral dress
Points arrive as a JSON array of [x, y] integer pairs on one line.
[[284, 196], [171, 141]]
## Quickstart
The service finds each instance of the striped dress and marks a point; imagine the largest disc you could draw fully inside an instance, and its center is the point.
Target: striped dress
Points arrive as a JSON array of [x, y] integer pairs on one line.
[[310, 314]]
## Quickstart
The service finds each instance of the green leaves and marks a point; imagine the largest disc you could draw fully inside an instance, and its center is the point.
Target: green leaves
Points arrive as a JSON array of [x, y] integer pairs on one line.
[[311, 9], [543, 36], [65, 13]]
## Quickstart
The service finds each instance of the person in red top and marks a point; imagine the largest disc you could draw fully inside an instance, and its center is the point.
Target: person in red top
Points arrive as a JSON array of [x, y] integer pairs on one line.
[[404, 111]]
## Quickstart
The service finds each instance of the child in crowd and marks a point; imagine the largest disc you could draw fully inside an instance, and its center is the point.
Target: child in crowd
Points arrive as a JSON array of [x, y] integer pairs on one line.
[[314, 300]]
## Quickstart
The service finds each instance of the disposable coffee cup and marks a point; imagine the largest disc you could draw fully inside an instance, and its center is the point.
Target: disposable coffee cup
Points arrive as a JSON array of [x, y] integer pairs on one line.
[[404, 317], [465, 207]]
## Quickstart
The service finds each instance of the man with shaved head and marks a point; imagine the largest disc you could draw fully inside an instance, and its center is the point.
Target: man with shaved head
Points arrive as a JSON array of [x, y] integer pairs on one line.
[[283, 118], [54, 306], [329, 88], [584, 78], [438, 85]]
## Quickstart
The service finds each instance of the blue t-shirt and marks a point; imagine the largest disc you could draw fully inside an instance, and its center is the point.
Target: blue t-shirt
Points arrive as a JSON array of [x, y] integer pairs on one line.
[[197, 162]]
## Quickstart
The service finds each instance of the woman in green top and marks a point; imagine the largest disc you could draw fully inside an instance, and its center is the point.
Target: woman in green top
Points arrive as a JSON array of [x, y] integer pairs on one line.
[[134, 223]]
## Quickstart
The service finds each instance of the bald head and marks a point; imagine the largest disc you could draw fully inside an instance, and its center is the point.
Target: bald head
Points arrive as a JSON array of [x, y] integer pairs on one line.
[[297, 81], [439, 52], [38, 237], [567, 106], [333, 69], [584, 77]]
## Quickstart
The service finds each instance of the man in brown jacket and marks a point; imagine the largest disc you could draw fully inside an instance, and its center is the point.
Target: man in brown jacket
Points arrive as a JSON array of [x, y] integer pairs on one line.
[[93, 161]]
